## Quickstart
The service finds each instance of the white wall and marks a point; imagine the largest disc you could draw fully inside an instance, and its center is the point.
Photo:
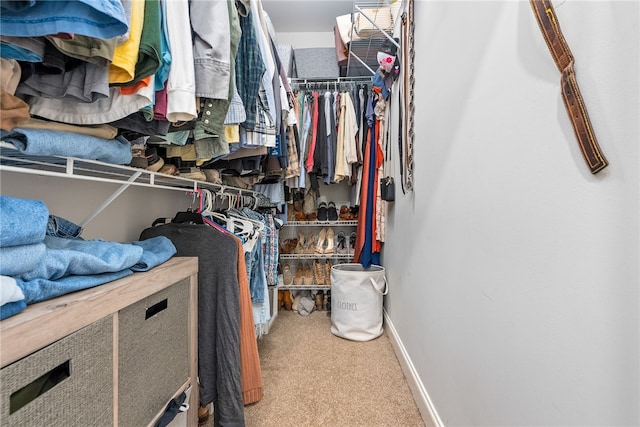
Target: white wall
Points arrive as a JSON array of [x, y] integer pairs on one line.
[[514, 272], [307, 39]]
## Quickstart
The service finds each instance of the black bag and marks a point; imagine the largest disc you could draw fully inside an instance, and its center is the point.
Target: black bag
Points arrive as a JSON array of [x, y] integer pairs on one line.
[[387, 189]]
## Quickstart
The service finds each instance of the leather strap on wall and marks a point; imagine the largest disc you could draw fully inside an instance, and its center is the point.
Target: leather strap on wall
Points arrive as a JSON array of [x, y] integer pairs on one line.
[[548, 23]]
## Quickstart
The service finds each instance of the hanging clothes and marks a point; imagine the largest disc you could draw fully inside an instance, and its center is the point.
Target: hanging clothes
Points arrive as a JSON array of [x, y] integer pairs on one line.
[[367, 249], [218, 315], [250, 370]]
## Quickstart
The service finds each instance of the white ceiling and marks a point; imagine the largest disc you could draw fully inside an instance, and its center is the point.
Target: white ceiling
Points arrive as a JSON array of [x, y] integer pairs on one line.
[[294, 16]]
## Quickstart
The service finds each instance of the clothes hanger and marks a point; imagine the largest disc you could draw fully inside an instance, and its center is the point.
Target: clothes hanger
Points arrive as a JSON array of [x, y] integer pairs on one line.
[[256, 225], [188, 216], [207, 208]]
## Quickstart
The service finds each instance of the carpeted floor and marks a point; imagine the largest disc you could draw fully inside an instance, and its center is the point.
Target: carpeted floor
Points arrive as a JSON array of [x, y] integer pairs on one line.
[[313, 378]]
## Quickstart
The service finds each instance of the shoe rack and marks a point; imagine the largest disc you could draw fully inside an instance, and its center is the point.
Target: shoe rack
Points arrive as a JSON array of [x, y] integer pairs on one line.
[[310, 248]]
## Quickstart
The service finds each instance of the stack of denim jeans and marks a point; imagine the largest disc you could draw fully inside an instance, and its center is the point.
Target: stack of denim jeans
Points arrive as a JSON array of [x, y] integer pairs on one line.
[[23, 227], [42, 256]]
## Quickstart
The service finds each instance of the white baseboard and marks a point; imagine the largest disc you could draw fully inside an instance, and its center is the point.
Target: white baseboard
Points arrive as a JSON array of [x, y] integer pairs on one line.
[[420, 395]]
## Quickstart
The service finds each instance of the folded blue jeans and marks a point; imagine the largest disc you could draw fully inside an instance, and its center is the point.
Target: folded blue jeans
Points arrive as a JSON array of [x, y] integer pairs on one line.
[[60, 227], [24, 221]]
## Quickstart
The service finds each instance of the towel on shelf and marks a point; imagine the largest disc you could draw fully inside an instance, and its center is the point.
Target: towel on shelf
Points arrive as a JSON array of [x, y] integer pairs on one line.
[[24, 221]]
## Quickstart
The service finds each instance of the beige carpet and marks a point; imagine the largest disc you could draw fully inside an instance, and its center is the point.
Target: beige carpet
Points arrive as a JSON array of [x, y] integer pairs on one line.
[[313, 378]]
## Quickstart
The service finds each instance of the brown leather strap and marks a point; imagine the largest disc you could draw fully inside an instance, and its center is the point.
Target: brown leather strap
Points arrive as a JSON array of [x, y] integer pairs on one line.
[[548, 23]]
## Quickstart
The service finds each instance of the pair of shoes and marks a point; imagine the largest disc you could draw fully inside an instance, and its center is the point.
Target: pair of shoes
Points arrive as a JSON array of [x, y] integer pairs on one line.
[[287, 300], [322, 270], [287, 275], [352, 243], [327, 212], [319, 299], [307, 278], [288, 246], [318, 270], [305, 244], [341, 246], [322, 212], [325, 244], [301, 244], [347, 213], [298, 278], [311, 243]]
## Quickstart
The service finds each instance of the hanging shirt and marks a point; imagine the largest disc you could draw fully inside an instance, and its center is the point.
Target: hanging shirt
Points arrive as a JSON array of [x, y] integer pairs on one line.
[[181, 85], [123, 65]]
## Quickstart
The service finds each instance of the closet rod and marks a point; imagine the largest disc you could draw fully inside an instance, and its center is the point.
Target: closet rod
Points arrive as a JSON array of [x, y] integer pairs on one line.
[[362, 79]]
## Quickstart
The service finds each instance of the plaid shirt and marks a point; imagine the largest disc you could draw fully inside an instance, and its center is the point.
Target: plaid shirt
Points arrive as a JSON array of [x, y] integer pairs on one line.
[[293, 169], [249, 70]]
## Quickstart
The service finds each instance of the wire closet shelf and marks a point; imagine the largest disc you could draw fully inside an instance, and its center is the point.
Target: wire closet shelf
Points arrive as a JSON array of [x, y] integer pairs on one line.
[[13, 160]]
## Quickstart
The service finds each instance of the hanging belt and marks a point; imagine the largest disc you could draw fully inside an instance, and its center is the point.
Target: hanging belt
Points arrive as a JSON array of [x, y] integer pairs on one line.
[[573, 102]]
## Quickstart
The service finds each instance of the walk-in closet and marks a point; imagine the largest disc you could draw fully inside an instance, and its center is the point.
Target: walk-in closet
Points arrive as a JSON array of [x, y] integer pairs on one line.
[[273, 213]]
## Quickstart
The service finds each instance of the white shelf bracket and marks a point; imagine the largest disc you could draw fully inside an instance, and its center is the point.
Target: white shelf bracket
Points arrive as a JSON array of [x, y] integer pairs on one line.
[[362, 62], [111, 198]]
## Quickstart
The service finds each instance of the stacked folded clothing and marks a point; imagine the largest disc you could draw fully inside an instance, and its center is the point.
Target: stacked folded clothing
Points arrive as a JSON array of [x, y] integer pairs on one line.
[[41, 257]]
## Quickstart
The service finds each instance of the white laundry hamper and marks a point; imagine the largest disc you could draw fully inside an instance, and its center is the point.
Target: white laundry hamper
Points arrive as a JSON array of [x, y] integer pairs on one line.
[[356, 301]]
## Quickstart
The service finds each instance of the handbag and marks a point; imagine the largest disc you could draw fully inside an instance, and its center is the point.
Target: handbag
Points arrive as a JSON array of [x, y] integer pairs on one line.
[[387, 189], [387, 183]]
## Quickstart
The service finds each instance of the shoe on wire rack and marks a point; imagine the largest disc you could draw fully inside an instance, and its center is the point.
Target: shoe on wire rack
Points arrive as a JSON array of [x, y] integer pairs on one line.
[[323, 213], [287, 275], [319, 300], [298, 279], [341, 246], [327, 273], [329, 246], [318, 270], [332, 212], [352, 243]]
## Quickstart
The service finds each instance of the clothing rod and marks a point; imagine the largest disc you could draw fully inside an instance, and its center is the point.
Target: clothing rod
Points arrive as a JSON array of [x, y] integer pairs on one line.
[[330, 80]]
